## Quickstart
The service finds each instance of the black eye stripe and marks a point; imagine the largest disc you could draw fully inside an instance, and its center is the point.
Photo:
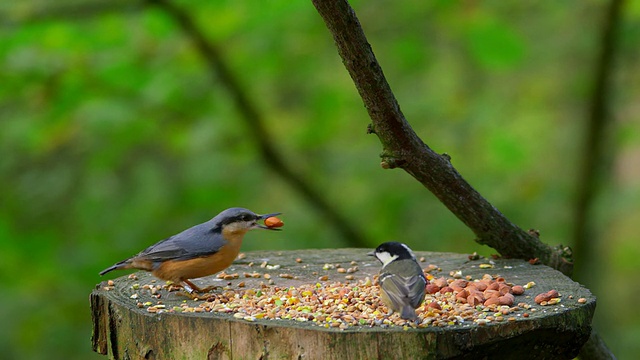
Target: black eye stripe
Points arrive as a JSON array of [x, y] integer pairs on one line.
[[242, 217]]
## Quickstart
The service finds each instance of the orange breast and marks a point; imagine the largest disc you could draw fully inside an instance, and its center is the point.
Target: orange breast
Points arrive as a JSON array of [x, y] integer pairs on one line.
[[179, 270]]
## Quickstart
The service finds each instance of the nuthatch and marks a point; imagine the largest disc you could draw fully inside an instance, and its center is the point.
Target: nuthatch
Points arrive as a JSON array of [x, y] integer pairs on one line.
[[202, 250], [401, 279]]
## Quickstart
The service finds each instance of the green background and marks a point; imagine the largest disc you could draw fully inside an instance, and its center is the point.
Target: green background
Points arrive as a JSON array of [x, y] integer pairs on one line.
[[114, 134]]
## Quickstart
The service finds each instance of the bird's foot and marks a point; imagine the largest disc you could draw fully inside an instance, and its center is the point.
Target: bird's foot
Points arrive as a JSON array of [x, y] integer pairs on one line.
[[196, 293]]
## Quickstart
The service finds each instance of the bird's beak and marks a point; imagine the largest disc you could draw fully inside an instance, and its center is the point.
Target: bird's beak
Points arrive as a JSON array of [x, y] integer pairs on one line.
[[266, 216], [372, 253]]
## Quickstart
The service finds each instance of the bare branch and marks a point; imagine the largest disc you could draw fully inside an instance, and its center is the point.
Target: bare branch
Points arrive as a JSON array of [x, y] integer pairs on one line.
[[404, 149]]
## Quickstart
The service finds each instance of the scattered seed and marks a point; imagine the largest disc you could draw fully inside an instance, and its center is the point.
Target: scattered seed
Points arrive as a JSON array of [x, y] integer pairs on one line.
[[341, 305], [553, 301], [545, 297]]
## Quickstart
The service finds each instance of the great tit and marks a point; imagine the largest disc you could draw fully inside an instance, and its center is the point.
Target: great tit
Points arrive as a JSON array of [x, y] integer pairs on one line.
[[401, 279]]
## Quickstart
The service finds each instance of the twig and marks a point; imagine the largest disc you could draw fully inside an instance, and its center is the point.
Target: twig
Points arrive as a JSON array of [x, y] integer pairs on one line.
[[404, 149], [256, 128]]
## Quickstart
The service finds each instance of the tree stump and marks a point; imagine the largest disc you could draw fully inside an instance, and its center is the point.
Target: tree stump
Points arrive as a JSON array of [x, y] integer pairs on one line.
[[128, 322]]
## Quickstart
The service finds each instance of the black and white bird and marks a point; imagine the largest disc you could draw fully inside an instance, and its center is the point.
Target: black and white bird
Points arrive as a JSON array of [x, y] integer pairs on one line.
[[401, 280]]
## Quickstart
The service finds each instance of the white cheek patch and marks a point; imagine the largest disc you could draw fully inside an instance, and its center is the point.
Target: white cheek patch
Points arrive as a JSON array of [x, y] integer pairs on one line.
[[385, 257], [239, 226]]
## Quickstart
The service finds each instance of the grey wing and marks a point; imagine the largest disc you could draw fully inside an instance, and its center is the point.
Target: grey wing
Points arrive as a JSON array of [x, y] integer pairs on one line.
[[196, 241], [416, 290], [405, 290]]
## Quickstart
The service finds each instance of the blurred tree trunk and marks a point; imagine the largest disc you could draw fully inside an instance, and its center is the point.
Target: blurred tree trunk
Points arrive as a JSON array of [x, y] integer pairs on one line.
[[593, 152], [593, 167]]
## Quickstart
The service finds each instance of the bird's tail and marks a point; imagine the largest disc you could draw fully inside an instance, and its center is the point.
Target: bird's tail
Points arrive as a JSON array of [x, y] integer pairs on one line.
[[408, 313], [124, 264]]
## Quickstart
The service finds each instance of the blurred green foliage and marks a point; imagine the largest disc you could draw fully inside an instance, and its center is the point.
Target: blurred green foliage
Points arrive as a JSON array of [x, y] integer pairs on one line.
[[114, 135]]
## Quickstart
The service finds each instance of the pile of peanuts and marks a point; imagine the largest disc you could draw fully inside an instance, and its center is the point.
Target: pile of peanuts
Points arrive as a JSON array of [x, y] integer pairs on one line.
[[448, 302], [487, 291]]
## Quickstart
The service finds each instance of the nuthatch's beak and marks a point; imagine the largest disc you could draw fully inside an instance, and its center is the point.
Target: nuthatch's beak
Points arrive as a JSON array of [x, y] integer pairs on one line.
[[372, 253], [266, 216]]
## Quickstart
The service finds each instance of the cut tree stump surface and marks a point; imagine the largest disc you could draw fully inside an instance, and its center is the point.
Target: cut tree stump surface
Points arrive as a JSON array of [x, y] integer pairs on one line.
[[124, 327]]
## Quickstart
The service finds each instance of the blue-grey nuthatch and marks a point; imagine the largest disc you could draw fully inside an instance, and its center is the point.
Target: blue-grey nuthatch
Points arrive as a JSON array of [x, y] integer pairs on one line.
[[201, 250], [401, 280]]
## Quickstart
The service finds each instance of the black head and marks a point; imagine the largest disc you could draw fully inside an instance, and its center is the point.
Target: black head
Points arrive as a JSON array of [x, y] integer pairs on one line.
[[392, 250]]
